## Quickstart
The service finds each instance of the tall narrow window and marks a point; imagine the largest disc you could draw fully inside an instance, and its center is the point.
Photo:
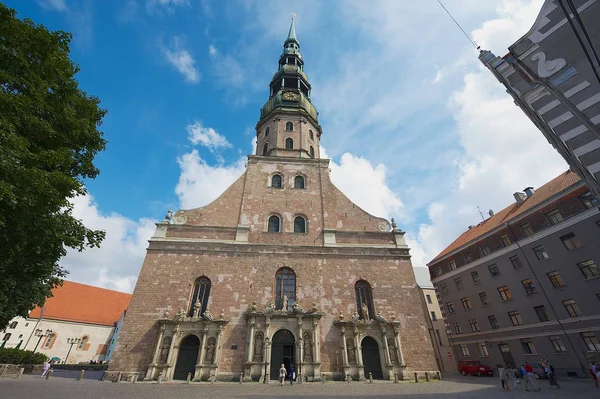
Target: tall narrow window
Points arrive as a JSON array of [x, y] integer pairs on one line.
[[505, 240], [464, 350], [285, 288], [311, 135], [484, 299], [457, 328], [200, 295], [428, 298], [451, 265], [6, 337], [299, 224], [298, 182], [474, 325], [527, 230], [82, 344], [459, 283], [557, 343], [515, 318], [572, 308], [516, 262], [265, 149], [450, 307], [570, 241], [494, 271], [274, 224], [13, 324], [312, 152], [590, 341], [364, 299], [484, 250], [493, 322], [528, 286], [555, 279], [483, 349], [541, 313], [276, 181], [554, 216], [540, 253], [504, 293], [289, 144], [528, 347], [50, 341], [289, 126], [267, 131]]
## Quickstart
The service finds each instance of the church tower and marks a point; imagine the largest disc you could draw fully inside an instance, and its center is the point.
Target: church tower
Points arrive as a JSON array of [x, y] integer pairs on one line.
[[282, 268]]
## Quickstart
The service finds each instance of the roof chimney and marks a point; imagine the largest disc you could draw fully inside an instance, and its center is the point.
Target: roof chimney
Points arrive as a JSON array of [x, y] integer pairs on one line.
[[528, 191], [519, 197]]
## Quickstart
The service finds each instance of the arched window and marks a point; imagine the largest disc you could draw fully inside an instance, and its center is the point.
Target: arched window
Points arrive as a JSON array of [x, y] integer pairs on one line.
[[311, 135], [289, 126], [50, 341], [267, 131], [298, 182], [265, 149], [277, 181], [299, 224], [364, 299], [289, 144], [200, 295], [82, 344], [285, 285], [274, 224], [312, 152]]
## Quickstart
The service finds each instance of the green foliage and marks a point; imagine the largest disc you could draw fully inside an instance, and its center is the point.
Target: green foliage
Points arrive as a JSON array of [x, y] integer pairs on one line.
[[19, 356], [48, 140]]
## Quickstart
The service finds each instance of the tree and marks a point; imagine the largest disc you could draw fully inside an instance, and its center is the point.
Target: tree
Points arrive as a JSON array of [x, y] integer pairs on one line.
[[48, 140]]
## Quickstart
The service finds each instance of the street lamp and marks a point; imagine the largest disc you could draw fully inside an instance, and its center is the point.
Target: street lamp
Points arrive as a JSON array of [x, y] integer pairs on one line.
[[40, 333], [71, 341]]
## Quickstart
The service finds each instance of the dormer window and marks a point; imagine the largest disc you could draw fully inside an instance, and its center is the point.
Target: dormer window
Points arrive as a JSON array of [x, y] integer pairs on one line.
[[289, 126]]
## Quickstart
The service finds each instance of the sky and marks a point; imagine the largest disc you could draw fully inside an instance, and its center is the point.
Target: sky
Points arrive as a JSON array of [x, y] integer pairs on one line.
[[415, 127]]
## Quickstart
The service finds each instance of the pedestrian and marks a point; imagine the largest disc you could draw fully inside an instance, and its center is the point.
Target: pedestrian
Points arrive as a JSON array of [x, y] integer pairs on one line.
[[292, 375], [282, 373], [596, 373], [550, 373], [46, 367], [512, 375], [503, 375], [529, 376]]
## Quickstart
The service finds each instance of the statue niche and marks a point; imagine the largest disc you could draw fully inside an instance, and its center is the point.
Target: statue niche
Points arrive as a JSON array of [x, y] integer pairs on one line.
[[210, 350], [308, 347], [258, 346], [392, 346], [164, 351], [351, 351]]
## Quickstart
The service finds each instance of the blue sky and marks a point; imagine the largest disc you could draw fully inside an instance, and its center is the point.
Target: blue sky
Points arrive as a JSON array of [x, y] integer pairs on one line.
[[415, 127]]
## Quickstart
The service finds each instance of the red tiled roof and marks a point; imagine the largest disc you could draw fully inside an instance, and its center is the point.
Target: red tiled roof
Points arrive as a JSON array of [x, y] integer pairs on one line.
[[83, 303], [553, 187]]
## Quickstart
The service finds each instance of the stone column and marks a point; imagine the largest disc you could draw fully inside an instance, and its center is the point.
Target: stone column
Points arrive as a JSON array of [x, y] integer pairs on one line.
[[200, 361], [218, 348], [174, 347], [250, 350], [152, 366], [399, 352], [300, 346], [344, 348], [316, 341], [359, 359], [388, 360]]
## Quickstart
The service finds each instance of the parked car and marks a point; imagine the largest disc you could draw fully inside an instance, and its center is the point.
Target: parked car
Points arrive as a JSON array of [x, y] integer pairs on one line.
[[474, 367], [538, 371]]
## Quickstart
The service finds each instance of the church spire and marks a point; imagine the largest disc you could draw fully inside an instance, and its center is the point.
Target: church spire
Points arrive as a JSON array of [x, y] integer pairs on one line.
[[292, 34]]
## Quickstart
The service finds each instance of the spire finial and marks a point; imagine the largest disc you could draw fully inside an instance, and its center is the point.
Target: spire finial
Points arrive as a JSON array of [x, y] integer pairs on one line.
[[292, 33]]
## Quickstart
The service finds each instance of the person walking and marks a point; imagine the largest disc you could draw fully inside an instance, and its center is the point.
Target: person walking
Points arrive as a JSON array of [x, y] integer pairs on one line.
[[292, 375], [282, 373], [549, 373], [47, 367], [503, 375], [529, 376], [512, 376], [595, 372]]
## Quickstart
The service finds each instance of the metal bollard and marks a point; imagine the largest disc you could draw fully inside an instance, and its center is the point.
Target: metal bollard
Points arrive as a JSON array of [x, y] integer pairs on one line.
[[323, 378], [427, 376], [48, 373], [134, 378], [439, 375], [370, 377], [416, 377], [81, 373], [395, 378], [118, 377], [348, 378], [241, 378], [160, 377], [189, 378], [21, 371]]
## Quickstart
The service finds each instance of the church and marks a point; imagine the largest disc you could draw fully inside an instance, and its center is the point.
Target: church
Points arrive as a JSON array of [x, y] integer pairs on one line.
[[282, 268]]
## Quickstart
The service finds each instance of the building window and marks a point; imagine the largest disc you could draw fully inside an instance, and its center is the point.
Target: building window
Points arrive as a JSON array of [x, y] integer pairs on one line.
[[494, 271], [311, 135], [444, 288], [475, 277], [299, 224], [265, 149], [493, 322], [589, 200], [312, 151], [459, 283], [557, 343], [540, 253], [452, 265], [555, 279], [483, 349], [528, 347], [274, 224], [468, 257], [527, 230], [289, 144], [474, 325], [428, 297], [364, 298], [289, 126], [590, 341], [504, 293], [437, 271], [484, 250], [200, 297], [516, 262], [6, 337], [267, 131], [554, 216], [450, 307], [589, 269], [277, 181], [49, 341], [433, 316], [464, 350], [466, 303], [13, 324], [484, 299], [83, 343], [528, 286], [541, 313], [570, 241], [299, 182], [439, 337], [456, 327], [515, 318], [285, 288], [505, 240], [572, 308]]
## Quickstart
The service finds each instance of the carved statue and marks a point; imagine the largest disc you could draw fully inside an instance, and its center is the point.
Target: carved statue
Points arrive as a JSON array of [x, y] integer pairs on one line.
[[169, 216], [392, 346], [222, 314], [379, 317], [284, 303], [164, 351], [197, 309], [207, 315], [166, 314], [297, 308], [210, 350], [355, 317], [180, 316], [313, 309], [365, 312], [258, 347], [253, 307], [308, 348], [341, 316], [351, 351], [270, 307]]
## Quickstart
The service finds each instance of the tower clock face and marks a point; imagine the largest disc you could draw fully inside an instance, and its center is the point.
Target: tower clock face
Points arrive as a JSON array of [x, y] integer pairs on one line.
[[290, 95]]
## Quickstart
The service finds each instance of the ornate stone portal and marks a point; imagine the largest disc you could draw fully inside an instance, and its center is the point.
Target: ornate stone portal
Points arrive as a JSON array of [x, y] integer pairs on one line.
[[262, 326], [173, 331]]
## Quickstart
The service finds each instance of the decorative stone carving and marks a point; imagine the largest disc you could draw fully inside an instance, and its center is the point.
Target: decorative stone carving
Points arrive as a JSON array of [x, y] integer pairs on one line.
[[166, 314], [253, 307], [394, 225], [355, 317], [383, 226], [164, 351], [259, 339], [313, 308], [180, 316], [180, 219], [351, 350], [392, 347], [169, 216], [341, 318], [222, 314], [210, 350], [379, 317], [297, 308], [207, 315], [197, 308], [270, 307], [547, 68], [284, 304], [365, 312], [308, 347]]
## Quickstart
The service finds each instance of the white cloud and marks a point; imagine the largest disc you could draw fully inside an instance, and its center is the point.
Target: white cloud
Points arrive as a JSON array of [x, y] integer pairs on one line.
[[55, 5], [212, 51], [168, 6], [206, 136], [228, 69], [182, 60], [116, 264]]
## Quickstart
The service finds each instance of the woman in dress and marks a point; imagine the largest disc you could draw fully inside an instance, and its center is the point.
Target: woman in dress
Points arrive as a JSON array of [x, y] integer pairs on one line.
[[282, 373]]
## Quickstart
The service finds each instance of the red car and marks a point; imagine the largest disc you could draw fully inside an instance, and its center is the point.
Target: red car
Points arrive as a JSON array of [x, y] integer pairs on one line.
[[474, 367]]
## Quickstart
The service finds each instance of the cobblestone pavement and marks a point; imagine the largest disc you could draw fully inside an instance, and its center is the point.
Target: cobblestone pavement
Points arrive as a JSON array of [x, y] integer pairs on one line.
[[31, 387]]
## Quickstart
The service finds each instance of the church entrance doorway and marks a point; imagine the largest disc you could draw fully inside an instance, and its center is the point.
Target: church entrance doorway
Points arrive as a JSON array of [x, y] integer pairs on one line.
[[371, 359], [188, 355], [282, 351]]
